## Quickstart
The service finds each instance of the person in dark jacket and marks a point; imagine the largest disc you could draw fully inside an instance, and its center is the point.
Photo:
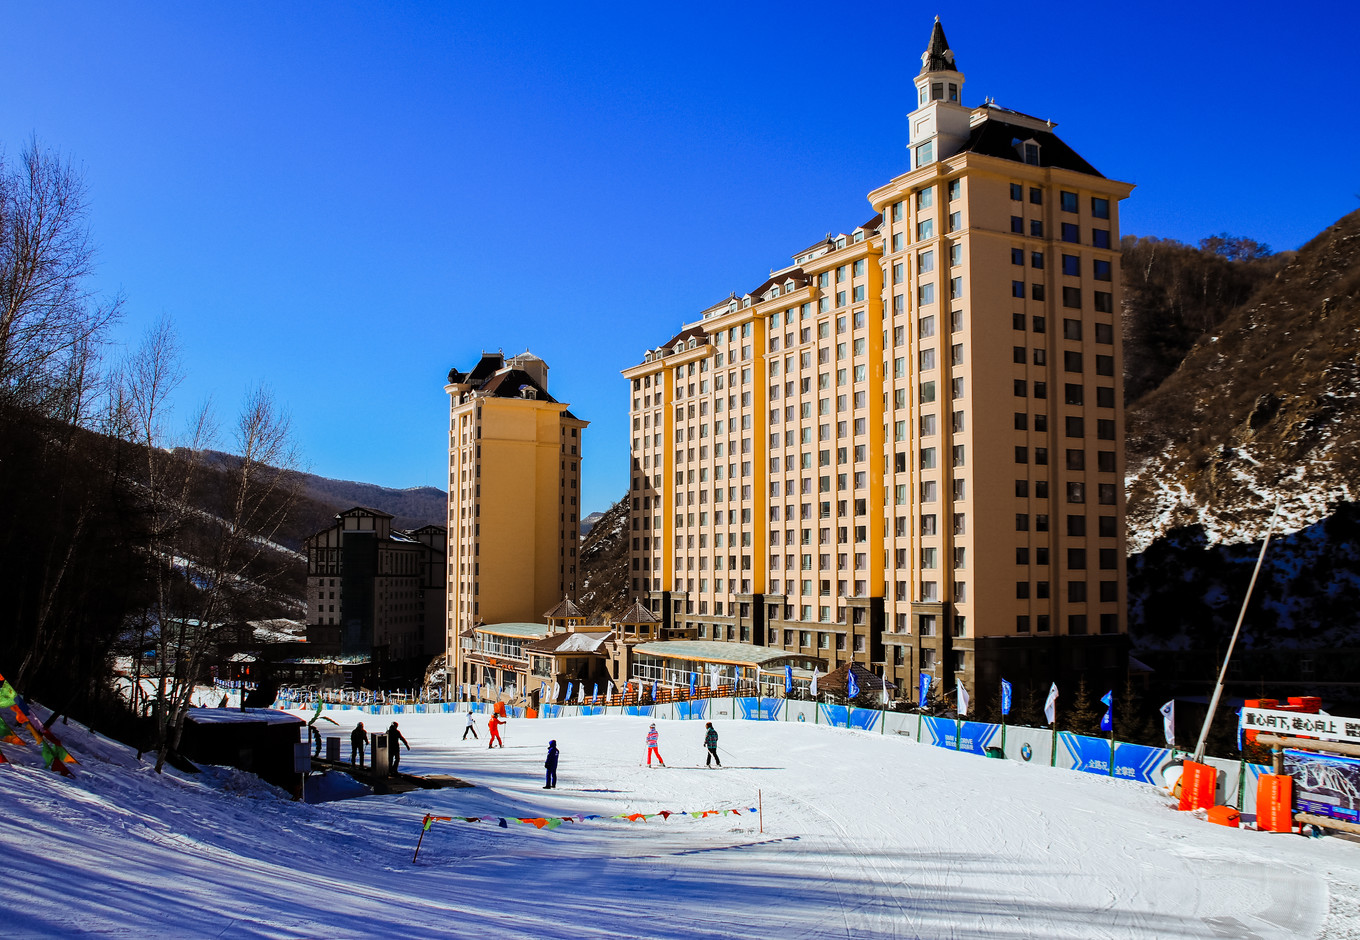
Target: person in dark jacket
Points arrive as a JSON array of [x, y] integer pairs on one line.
[[711, 742], [551, 765], [395, 740], [357, 739]]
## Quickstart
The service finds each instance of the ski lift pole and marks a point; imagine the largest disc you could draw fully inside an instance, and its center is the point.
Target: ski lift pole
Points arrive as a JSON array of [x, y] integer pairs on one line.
[[1241, 615]]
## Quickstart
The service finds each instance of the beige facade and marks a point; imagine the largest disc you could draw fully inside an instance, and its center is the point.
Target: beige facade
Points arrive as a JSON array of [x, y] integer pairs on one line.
[[514, 485], [905, 450]]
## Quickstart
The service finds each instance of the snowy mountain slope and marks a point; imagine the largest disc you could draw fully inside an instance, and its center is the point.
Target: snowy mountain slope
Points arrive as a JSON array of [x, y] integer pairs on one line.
[[865, 836], [1262, 410]]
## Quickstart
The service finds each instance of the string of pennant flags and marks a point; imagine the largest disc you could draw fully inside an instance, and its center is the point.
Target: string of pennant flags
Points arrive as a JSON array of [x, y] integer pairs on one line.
[[54, 754], [553, 822]]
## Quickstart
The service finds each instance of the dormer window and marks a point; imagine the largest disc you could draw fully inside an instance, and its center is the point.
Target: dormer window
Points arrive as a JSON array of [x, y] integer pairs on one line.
[[840, 241], [693, 342], [647, 356], [1028, 151], [925, 153]]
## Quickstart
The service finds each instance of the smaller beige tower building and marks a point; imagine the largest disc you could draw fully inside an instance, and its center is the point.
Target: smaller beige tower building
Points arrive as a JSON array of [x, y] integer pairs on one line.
[[514, 489]]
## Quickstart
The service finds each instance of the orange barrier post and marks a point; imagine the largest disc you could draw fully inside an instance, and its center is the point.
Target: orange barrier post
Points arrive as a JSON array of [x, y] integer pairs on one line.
[[1198, 782], [1275, 803], [1225, 816]]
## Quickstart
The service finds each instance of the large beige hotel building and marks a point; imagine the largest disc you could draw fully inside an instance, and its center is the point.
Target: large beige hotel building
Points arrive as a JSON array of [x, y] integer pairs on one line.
[[905, 449], [514, 518]]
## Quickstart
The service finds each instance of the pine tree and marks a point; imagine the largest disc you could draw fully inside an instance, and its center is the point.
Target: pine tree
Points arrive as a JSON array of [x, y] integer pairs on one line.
[[1083, 717]]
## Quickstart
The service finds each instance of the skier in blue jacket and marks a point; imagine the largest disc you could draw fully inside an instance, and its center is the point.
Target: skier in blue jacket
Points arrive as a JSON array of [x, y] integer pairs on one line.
[[551, 765]]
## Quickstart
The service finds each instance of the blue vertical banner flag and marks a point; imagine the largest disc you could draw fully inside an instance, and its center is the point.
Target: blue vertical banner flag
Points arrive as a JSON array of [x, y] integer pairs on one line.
[[542, 692], [595, 691], [653, 690], [853, 685], [1005, 697], [1239, 730], [567, 698], [1107, 719], [924, 689], [788, 680], [693, 679]]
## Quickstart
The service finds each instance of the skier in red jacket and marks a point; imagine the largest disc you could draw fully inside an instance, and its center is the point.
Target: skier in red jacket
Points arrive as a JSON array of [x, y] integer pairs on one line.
[[494, 726]]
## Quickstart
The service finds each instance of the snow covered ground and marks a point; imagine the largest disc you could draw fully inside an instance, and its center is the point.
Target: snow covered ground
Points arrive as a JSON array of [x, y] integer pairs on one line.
[[865, 836]]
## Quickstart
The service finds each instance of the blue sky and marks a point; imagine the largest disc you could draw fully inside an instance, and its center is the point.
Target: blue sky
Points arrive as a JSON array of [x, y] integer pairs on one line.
[[344, 201]]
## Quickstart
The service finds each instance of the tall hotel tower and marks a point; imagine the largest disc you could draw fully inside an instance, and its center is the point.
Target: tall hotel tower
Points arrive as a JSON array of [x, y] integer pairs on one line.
[[905, 450], [514, 487]]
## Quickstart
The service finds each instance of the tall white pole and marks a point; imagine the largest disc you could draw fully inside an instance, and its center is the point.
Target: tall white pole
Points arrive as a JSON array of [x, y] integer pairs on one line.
[[1241, 615]]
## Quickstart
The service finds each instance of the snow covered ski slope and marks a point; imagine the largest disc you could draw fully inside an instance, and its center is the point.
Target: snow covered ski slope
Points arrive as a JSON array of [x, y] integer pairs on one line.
[[865, 836]]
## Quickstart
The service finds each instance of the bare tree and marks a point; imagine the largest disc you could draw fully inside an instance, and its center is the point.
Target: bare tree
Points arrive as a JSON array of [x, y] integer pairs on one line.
[[211, 521], [49, 315]]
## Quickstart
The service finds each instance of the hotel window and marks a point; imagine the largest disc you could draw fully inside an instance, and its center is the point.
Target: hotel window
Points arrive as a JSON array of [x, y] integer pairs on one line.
[[1036, 228], [1101, 270], [1017, 192], [925, 198], [955, 186], [925, 262], [1104, 301], [1036, 291], [897, 211], [1017, 225], [1036, 260], [955, 255], [1071, 232], [1018, 289], [926, 328], [925, 229], [927, 359], [1071, 265], [1104, 334], [955, 221], [1072, 297], [925, 153], [1069, 202], [1100, 237], [1036, 196], [1100, 208]]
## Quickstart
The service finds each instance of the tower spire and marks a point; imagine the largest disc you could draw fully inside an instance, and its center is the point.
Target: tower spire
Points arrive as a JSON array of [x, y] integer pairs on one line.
[[938, 57]]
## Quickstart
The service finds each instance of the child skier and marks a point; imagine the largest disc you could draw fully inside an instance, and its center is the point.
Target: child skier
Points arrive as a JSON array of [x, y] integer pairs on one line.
[[652, 739], [495, 727], [711, 742], [551, 765]]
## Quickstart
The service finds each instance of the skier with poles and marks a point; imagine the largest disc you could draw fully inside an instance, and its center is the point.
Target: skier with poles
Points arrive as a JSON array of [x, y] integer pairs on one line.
[[495, 726], [652, 740], [395, 739], [470, 729], [711, 742]]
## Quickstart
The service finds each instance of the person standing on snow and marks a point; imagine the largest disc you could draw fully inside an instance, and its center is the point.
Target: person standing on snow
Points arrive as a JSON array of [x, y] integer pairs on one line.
[[357, 739], [652, 739], [395, 739], [711, 742], [494, 725], [551, 765], [470, 728]]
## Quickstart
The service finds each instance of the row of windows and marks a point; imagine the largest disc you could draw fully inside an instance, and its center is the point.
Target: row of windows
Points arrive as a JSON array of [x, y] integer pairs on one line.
[[1068, 201], [1101, 269], [1076, 624], [1069, 232]]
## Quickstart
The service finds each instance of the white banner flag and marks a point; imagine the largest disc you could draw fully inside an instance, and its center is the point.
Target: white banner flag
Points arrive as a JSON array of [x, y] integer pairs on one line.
[[815, 673], [1051, 706], [1169, 722], [963, 700]]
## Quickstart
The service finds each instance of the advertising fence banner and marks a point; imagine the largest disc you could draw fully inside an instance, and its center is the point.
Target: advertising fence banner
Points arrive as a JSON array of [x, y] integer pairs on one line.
[[759, 709]]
